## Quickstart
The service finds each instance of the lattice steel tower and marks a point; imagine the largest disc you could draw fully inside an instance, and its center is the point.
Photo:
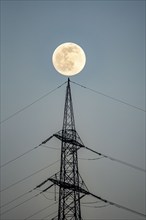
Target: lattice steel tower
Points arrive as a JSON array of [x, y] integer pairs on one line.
[[71, 185]]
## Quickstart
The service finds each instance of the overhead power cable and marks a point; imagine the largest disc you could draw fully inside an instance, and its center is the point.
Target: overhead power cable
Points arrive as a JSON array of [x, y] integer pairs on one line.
[[19, 156], [96, 207], [114, 159], [39, 211], [25, 200], [108, 157], [117, 205], [53, 148], [91, 202], [110, 97], [10, 161], [20, 204], [29, 105], [43, 194], [19, 181], [97, 158], [16, 199], [47, 192]]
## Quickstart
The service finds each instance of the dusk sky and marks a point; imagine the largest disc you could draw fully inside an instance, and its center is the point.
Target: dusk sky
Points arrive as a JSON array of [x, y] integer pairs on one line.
[[112, 35]]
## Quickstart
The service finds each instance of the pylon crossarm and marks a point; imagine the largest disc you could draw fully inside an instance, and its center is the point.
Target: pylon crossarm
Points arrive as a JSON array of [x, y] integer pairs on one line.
[[68, 138], [47, 188], [45, 141], [45, 181], [44, 190], [41, 184], [69, 186]]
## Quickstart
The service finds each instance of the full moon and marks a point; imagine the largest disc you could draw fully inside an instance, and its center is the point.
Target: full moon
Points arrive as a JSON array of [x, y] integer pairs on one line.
[[69, 59]]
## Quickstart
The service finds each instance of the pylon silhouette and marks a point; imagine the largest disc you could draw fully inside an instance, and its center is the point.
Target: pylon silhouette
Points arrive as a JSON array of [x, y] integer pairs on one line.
[[71, 186]]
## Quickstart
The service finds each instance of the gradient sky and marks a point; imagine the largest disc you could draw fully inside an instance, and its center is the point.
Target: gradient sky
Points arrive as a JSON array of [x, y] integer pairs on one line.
[[112, 34]]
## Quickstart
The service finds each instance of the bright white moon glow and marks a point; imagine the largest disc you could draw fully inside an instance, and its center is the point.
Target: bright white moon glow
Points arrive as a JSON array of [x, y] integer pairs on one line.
[[69, 59]]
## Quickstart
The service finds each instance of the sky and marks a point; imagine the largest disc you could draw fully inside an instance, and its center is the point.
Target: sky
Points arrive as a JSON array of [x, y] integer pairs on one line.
[[112, 34]]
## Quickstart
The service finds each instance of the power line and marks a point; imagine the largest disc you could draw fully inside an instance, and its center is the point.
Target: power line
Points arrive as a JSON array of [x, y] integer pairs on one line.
[[114, 159], [41, 192], [109, 157], [82, 205], [110, 97], [39, 211], [19, 156], [19, 204], [97, 158], [16, 199], [99, 198], [10, 161], [54, 148], [19, 181], [47, 191], [29, 105], [91, 202], [100, 154], [117, 205], [109, 203], [101, 206], [96, 207], [23, 201]]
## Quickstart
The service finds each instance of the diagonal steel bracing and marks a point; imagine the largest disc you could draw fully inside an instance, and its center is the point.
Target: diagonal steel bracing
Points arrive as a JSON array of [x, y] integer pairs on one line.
[[69, 180], [71, 186]]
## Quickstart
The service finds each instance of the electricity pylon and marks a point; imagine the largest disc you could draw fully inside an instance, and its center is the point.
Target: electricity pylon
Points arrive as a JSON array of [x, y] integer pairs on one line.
[[71, 186]]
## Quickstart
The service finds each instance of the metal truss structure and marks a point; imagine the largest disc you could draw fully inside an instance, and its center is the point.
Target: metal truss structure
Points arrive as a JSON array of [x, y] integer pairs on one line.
[[71, 186]]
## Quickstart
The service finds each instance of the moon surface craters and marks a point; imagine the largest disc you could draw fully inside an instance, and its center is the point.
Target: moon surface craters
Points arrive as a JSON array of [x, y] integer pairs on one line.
[[69, 59]]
